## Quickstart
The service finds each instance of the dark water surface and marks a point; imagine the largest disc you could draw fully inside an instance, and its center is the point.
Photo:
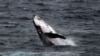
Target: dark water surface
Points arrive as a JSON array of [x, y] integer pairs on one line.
[[76, 19]]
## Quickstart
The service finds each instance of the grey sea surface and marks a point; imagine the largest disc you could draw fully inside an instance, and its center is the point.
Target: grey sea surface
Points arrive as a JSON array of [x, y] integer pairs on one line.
[[75, 19]]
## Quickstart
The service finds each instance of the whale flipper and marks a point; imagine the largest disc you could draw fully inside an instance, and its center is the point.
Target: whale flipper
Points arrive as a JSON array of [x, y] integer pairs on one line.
[[53, 35]]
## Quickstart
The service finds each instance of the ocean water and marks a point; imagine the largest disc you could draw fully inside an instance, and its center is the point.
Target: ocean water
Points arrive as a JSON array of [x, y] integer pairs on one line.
[[75, 19]]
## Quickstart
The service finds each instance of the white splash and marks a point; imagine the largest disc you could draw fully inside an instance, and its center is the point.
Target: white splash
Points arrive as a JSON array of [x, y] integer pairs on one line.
[[71, 42]]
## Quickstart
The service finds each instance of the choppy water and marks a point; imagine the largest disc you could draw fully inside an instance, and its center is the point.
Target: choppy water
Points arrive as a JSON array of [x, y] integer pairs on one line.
[[76, 19]]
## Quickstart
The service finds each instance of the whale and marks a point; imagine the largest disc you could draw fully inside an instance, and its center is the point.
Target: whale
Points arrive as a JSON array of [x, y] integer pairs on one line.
[[48, 35]]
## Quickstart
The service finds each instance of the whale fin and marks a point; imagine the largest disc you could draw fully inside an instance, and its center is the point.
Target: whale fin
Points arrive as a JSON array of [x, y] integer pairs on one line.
[[53, 35]]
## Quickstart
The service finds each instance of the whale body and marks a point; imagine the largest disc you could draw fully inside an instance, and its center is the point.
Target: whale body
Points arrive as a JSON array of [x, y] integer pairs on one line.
[[48, 35]]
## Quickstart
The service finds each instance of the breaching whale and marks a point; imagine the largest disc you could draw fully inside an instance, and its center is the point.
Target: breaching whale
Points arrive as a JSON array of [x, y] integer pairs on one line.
[[48, 35]]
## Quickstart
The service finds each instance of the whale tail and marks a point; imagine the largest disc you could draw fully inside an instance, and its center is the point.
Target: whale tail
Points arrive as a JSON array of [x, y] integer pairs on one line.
[[47, 34]]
